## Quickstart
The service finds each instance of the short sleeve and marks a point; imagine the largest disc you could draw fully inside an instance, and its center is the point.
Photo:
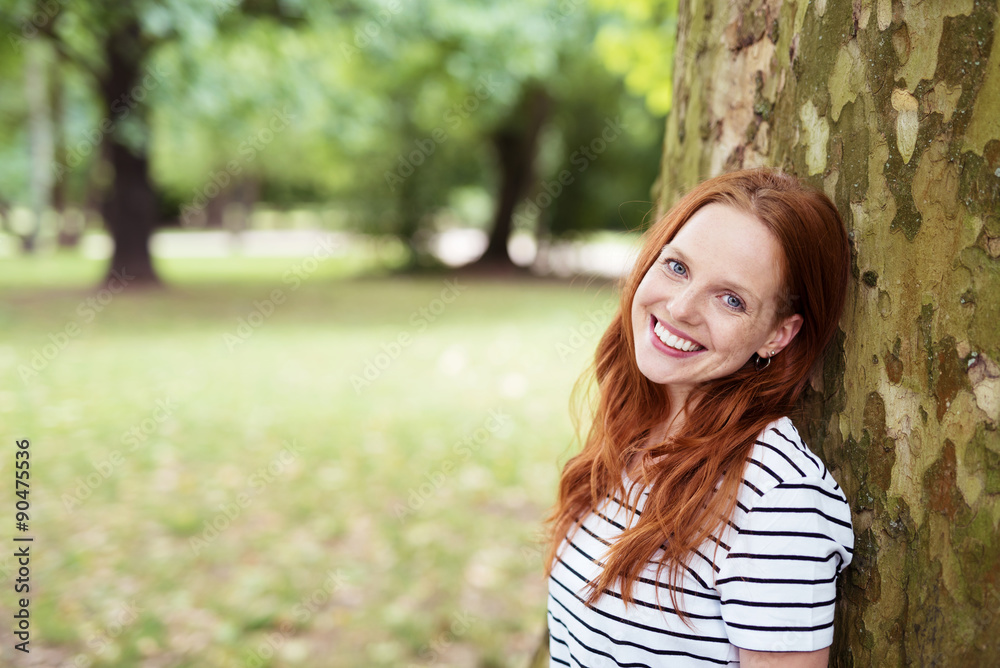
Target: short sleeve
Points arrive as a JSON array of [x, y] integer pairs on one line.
[[778, 581]]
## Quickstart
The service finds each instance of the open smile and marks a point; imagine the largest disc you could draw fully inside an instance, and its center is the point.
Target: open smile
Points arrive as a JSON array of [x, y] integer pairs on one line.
[[667, 342]]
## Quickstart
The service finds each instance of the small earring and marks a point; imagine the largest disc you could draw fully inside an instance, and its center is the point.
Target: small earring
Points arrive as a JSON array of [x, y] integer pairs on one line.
[[757, 364]]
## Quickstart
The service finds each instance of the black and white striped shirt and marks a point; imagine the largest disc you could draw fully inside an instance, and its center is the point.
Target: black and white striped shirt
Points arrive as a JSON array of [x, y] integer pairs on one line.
[[769, 587]]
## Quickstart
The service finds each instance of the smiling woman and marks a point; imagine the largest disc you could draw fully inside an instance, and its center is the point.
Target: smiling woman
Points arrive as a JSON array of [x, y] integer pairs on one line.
[[707, 281], [693, 481]]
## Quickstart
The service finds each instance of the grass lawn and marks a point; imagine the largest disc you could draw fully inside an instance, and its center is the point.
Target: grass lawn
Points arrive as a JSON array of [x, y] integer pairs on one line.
[[279, 464]]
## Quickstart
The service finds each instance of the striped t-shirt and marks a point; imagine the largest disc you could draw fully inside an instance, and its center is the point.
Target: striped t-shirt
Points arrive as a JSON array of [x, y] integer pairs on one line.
[[769, 587]]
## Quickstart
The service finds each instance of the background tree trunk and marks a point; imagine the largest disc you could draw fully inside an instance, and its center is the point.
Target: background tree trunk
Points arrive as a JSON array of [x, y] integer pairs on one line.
[[37, 64], [516, 146], [893, 109], [71, 225], [130, 206]]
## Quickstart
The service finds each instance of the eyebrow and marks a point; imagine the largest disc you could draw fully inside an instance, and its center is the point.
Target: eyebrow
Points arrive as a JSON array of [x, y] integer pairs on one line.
[[742, 289]]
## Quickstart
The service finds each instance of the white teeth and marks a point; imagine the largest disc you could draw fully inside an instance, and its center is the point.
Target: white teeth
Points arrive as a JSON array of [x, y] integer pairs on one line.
[[674, 341]]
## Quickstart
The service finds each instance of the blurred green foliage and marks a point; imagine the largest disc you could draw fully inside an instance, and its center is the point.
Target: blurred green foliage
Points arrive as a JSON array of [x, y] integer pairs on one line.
[[391, 103]]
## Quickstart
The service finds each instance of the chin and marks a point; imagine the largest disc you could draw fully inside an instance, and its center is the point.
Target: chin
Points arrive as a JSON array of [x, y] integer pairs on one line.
[[654, 373]]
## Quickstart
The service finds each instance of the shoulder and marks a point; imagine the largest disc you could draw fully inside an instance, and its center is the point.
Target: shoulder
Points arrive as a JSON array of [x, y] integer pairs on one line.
[[790, 537], [786, 483], [780, 456]]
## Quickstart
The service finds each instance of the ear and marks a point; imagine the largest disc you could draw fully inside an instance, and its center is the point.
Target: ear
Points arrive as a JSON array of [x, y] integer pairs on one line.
[[782, 335]]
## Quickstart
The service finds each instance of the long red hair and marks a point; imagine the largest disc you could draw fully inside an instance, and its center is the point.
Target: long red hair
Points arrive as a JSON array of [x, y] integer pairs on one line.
[[728, 413]]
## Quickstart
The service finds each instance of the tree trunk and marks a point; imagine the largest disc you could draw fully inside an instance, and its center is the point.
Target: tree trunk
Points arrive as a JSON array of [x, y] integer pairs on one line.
[[893, 109], [130, 207], [516, 147], [71, 224], [215, 209], [36, 67]]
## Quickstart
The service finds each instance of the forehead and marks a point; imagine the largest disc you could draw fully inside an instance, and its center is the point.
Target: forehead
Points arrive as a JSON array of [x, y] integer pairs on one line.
[[728, 246]]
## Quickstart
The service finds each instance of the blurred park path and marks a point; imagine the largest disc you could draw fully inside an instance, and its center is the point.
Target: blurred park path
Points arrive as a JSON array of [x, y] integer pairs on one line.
[[608, 257]]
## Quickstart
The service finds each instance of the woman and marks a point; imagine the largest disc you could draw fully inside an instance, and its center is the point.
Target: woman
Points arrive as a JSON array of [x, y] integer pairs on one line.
[[696, 528]]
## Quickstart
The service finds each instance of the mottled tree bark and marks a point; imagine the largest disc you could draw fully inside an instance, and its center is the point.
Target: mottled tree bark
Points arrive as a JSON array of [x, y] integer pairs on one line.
[[892, 108]]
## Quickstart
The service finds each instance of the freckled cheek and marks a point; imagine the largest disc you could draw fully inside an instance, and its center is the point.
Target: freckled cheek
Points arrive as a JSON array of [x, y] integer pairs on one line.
[[638, 312], [649, 293], [733, 340], [641, 302], [726, 339]]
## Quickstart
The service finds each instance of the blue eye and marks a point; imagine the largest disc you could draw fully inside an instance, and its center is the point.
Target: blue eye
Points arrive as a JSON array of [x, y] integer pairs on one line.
[[738, 305], [670, 261]]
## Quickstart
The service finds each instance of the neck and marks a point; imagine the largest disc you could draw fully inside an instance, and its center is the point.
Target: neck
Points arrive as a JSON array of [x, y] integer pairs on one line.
[[661, 431], [679, 411]]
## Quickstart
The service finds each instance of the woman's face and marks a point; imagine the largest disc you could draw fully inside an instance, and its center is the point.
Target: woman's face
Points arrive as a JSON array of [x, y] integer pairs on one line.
[[716, 285]]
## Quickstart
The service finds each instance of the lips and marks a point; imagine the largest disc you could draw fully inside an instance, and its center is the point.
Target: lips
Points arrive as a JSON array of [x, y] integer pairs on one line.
[[663, 331]]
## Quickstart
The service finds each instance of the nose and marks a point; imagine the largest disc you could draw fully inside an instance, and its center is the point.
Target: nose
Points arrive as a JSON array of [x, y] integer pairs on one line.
[[683, 306]]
